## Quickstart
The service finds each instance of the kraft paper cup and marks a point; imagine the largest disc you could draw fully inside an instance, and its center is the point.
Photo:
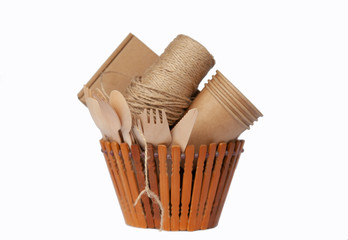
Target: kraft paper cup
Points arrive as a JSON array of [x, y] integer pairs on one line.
[[231, 101], [226, 102], [214, 123], [223, 112], [237, 94], [233, 98]]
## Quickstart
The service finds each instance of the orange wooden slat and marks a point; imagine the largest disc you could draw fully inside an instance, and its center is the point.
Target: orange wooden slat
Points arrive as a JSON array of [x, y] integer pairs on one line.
[[122, 171], [238, 148], [206, 183], [119, 195], [186, 186], [164, 186], [107, 161], [213, 185], [121, 198], [153, 179], [141, 183], [220, 188], [133, 185], [175, 188], [197, 188]]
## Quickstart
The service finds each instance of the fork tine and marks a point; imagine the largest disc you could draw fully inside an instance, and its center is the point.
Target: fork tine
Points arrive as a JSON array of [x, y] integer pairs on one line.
[[164, 116], [152, 119], [158, 119], [97, 95]]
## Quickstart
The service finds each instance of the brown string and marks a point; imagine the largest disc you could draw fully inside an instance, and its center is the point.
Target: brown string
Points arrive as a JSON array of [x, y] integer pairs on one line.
[[147, 189], [170, 82]]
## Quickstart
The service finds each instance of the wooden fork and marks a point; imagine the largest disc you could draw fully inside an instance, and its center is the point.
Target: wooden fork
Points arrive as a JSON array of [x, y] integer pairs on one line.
[[155, 129], [111, 119]]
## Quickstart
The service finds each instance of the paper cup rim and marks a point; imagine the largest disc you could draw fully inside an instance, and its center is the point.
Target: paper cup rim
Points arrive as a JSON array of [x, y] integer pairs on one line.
[[231, 107], [233, 88], [236, 117], [233, 102]]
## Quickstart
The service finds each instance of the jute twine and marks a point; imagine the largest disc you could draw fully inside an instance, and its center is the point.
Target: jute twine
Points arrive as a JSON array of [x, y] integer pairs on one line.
[[147, 189], [170, 82]]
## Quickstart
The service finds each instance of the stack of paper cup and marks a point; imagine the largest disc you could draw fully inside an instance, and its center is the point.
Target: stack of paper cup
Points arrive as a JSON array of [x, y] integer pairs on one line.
[[223, 112]]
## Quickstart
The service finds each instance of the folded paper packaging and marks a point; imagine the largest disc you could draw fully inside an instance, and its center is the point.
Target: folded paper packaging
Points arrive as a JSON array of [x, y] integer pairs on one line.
[[131, 58]]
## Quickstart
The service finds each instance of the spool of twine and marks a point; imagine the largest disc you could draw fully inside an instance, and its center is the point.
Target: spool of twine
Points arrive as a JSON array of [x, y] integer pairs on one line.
[[170, 82]]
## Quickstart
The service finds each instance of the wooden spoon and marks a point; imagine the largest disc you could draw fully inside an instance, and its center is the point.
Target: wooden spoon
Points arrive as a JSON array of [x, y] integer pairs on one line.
[[113, 124], [94, 110], [120, 105]]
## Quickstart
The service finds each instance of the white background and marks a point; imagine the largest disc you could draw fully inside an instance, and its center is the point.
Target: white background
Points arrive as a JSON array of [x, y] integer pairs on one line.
[[290, 58]]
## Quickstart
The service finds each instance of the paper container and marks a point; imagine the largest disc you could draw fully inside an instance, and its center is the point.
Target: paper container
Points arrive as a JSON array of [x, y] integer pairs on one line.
[[235, 94], [213, 123], [192, 197], [230, 101], [131, 58], [111, 80], [230, 107], [222, 114]]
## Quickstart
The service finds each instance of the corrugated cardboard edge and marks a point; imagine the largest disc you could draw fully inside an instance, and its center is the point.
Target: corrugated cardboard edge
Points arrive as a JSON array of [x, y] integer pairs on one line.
[[80, 95]]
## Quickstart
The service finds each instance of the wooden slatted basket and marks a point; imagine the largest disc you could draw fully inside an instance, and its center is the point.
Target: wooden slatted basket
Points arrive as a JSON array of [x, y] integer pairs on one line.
[[192, 187]]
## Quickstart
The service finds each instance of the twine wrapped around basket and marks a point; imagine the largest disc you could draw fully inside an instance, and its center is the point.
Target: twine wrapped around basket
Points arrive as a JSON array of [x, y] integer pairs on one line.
[[192, 197]]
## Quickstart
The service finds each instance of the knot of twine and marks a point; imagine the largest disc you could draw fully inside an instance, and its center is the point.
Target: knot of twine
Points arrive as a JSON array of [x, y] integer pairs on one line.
[[170, 82], [147, 189]]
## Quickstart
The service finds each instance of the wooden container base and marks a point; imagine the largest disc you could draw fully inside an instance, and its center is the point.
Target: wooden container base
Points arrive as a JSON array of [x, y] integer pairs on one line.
[[192, 187]]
